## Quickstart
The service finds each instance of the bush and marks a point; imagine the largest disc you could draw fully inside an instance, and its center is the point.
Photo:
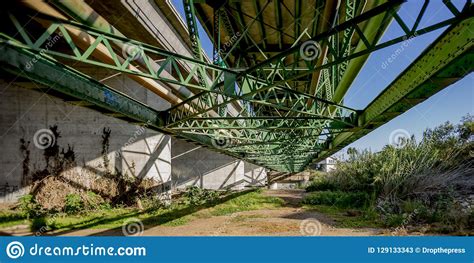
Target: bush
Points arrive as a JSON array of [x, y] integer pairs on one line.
[[321, 185], [395, 220], [210, 195], [151, 202], [338, 199], [9, 216], [73, 204], [39, 223], [410, 184], [29, 207], [93, 201], [197, 196]]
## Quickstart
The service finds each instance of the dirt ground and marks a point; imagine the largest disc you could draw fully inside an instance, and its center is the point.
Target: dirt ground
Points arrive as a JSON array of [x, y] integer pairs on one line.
[[288, 220]]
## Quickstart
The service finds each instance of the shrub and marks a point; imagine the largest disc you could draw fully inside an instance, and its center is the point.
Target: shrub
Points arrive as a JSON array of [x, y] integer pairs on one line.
[[197, 196], [210, 195], [73, 203], [29, 207], [395, 220], [321, 185], [39, 223], [338, 198], [9, 216], [93, 201], [152, 202]]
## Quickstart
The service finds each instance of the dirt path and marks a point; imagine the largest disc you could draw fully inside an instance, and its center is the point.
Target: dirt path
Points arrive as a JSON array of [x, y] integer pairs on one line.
[[288, 220]]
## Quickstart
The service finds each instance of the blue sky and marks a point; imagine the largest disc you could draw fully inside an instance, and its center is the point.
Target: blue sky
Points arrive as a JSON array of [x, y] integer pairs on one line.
[[450, 104]]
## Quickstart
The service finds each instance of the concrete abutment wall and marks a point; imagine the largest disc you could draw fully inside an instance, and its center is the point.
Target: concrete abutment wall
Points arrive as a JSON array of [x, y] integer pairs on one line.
[[28, 115], [132, 150]]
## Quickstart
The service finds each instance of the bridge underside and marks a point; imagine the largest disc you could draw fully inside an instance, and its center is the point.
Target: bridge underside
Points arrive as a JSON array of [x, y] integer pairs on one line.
[[273, 92]]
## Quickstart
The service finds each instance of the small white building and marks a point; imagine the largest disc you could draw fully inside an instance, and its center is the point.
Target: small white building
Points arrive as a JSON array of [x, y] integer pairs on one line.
[[327, 164]]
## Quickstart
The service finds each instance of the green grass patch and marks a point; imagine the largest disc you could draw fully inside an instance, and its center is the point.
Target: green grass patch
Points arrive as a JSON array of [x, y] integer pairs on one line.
[[338, 199], [181, 221], [100, 219], [242, 218], [357, 218], [251, 201], [321, 185], [174, 215], [11, 218]]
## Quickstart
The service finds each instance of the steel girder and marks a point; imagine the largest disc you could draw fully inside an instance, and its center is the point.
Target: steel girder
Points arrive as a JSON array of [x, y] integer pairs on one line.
[[279, 129], [56, 78], [447, 60], [194, 37], [275, 71], [258, 123], [77, 88]]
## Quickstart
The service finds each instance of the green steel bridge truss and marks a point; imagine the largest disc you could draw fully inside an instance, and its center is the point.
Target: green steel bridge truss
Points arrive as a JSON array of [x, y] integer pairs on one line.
[[271, 113]]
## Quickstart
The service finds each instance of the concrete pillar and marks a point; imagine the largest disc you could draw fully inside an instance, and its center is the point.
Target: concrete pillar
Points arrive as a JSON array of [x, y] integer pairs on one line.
[[197, 166], [255, 175]]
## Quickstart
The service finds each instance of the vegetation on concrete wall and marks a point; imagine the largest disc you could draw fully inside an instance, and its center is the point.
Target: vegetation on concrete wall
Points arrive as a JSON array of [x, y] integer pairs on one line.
[[57, 186]]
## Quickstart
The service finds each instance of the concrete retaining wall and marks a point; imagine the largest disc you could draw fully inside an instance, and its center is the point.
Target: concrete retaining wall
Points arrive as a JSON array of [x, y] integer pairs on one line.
[[197, 166], [29, 115], [133, 150]]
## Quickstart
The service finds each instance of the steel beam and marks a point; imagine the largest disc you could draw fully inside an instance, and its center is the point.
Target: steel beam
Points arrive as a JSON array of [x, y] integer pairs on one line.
[[70, 84], [276, 125], [445, 61]]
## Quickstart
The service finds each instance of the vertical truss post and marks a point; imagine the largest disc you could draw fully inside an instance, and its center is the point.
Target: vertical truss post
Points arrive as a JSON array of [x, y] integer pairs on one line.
[[194, 37]]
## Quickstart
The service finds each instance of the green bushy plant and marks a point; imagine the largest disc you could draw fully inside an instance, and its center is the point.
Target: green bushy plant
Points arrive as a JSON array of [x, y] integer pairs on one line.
[[338, 199], [197, 196], [152, 202], [73, 204], [93, 201], [39, 223], [321, 185], [29, 207], [411, 183]]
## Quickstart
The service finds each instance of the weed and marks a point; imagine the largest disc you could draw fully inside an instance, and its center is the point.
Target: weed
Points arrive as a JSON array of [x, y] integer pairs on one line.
[[338, 199], [29, 207], [197, 196], [73, 204], [39, 223], [321, 185]]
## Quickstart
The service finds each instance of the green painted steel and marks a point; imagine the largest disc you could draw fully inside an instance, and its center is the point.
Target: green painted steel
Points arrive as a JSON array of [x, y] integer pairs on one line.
[[447, 60], [75, 87], [56, 78], [194, 37], [282, 113]]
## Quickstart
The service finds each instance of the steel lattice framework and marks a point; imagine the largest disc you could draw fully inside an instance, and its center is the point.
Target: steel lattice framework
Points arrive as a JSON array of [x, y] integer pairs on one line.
[[276, 104]]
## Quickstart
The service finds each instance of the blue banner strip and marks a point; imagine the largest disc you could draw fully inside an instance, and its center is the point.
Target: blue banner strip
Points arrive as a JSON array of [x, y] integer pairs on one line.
[[237, 249]]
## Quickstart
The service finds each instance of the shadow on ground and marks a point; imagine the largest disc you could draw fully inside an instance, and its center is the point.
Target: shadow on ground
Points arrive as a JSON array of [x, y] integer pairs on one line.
[[148, 222]]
